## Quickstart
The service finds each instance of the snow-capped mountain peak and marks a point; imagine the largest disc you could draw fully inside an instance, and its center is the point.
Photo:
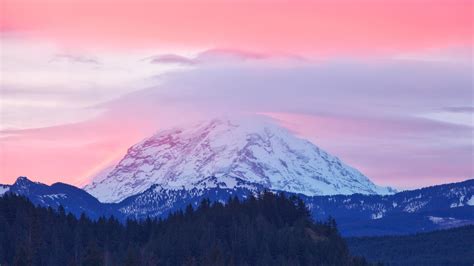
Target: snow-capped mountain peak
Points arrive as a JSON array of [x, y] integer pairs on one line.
[[256, 151]]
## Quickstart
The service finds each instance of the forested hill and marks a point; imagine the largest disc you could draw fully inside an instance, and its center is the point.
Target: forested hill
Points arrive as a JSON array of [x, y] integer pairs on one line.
[[444, 247], [268, 230]]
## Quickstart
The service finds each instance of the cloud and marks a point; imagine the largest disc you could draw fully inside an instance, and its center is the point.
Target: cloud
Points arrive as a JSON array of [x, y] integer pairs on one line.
[[371, 113], [76, 59], [170, 59], [222, 54], [374, 87], [459, 109], [219, 56], [43, 84]]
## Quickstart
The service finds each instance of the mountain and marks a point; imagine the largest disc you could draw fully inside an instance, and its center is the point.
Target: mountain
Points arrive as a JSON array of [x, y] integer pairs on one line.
[[73, 199], [420, 210], [255, 151]]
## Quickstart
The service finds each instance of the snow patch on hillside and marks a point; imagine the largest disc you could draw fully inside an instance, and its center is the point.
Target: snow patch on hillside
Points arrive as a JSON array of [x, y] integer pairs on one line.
[[470, 202], [4, 189]]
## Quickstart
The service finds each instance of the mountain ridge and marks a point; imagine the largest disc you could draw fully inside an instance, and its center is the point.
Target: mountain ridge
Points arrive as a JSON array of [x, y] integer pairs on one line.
[[441, 206]]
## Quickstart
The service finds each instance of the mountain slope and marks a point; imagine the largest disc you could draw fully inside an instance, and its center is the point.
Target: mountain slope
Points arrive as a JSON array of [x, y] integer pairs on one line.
[[426, 209], [253, 150], [421, 210], [73, 199], [158, 201]]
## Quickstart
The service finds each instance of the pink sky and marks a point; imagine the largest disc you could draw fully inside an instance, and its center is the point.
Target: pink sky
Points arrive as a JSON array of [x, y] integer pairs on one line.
[[320, 27], [382, 84]]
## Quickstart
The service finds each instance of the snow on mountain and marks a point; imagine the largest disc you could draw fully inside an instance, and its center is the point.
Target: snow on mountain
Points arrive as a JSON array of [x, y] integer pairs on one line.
[[470, 202], [4, 189], [254, 150]]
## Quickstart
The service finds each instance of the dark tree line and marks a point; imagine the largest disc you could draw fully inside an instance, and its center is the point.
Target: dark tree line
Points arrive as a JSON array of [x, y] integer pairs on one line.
[[268, 230], [444, 247]]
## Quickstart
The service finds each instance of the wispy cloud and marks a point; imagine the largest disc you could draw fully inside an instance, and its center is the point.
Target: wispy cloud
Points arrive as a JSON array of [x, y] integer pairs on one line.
[[76, 59], [43, 84], [170, 59], [459, 109]]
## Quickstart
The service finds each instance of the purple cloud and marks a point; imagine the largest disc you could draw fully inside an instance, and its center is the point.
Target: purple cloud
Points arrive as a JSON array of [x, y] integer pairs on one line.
[[171, 59], [370, 113], [459, 109]]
